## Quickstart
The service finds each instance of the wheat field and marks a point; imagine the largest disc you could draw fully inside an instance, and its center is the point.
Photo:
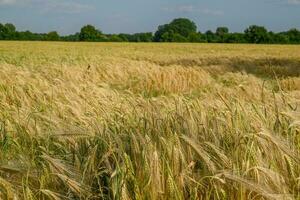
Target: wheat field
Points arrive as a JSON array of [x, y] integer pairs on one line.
[[149, 121]]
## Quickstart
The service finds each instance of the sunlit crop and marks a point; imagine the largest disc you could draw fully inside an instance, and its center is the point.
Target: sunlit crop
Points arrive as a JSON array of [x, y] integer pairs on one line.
[[149, 121]]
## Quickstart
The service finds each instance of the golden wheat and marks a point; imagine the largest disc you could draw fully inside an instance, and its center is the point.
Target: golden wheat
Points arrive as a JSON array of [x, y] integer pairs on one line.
[[149, 121]]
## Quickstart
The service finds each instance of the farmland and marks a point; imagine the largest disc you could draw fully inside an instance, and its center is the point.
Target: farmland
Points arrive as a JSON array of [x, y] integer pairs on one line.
[[149, 121]]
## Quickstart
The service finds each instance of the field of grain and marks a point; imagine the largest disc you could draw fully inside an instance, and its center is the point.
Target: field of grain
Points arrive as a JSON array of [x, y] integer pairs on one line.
[[149, 121]]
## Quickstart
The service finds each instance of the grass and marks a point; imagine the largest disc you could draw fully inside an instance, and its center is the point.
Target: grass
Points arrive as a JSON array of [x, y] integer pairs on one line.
[[149, 121]]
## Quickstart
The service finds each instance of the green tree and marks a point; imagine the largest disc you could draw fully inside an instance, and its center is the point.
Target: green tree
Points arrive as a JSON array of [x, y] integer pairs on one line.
[[71, 38], [281, 39], [211, 36], [294, 36], [10, 27], [278, 38], [235, 38], [2, 31], [90, 33], [176, 37], [143, 37], [7, 31], [115, 38], [222, 32], [125, 37], [26, 35], [257, 34], [196, 37], [52, 36], [162, 33], [181, 26], [167, 36]]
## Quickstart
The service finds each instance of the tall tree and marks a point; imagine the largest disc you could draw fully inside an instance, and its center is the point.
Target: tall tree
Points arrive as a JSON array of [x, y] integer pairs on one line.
[[10, 27], [52, 36], [7, 31], [211, 36], [222, 32], [2, 28], [257, 34], [90, 33], [294, 36], [178, 27], [196, 37]]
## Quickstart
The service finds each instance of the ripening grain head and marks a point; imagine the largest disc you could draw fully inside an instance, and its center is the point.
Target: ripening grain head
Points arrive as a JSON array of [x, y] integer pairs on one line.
[[149, 121]]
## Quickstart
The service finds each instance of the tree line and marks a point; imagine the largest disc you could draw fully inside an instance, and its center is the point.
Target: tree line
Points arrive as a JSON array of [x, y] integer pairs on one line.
[[178, 30]]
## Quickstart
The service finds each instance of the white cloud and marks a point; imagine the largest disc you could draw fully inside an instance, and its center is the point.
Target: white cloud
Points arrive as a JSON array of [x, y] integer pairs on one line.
[[65, 6], [193, 9]]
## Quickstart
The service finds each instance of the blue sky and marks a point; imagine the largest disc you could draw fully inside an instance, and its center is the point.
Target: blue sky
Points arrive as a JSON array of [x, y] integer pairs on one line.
[[128, 16]]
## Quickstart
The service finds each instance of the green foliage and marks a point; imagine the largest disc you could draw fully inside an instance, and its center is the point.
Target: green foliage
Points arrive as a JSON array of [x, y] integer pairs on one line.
[[211, 37], [294, 36], [279, 38], [196, 37], [114, 38], [178, 38], [70, 38], [125, 37], [7, 31], [222, 32], [10, 28], [136, 37], [52, 36], [2, 31], [178, 30], [183, 26], [235, 38], [257, 34], [90, 33], [143, 37], [162, 31]]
